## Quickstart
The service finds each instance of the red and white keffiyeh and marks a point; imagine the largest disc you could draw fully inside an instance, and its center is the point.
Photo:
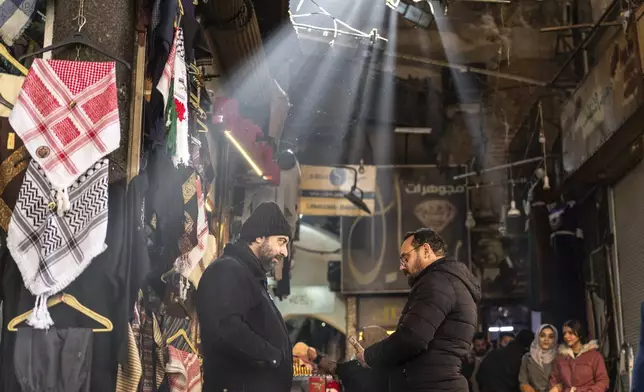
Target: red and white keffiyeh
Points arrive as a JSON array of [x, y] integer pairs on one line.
[[185, 263], [67, 115], [184, 371]]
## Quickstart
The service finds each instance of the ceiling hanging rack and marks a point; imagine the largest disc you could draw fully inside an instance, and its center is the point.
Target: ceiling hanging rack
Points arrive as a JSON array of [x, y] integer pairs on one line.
[[78, 39]]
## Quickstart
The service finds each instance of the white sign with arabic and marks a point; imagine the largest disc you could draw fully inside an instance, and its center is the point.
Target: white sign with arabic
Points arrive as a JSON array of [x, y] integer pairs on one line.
[[308, 300]]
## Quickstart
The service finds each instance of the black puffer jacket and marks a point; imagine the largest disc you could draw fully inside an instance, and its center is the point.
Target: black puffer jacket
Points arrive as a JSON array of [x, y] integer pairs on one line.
[[244, 340], [434, 332]]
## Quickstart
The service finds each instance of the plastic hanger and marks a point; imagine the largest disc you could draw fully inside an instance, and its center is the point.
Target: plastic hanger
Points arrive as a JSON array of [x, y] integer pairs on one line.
[[5, 53], [72, 302], [78, 38], [6, 103], [182, 334]]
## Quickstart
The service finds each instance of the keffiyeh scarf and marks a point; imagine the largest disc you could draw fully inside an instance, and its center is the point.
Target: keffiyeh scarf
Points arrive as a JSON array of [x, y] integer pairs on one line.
[[188, 261], [184, 371], [67, 116], [51, 250]]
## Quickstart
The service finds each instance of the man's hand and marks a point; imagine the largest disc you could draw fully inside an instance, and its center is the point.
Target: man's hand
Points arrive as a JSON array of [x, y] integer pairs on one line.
[[360, 358], [327, 366]]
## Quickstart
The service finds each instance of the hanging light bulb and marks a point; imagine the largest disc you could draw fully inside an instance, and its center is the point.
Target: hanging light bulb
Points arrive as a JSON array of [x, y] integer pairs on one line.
[[470, 223], [546, 183], [513, 211]]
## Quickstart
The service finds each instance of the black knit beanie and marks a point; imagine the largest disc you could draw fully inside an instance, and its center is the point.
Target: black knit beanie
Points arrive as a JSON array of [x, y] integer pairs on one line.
[[265, 221]]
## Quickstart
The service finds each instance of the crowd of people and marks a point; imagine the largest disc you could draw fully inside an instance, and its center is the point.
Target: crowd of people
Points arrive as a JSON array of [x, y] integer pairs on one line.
[[535, 363]]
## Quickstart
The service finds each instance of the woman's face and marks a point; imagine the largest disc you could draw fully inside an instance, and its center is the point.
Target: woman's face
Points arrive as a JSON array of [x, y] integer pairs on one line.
[[546, 338], [569, 337]]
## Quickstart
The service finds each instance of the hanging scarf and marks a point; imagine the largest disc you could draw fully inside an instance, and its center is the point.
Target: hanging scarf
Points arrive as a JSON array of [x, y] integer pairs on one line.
[[67, 116], [540, 356], [53, 249], [181, 150], [15, 17], [188, 261], [184, 371]]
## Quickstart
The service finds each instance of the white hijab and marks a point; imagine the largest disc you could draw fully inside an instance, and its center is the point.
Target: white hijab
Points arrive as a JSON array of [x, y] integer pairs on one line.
[[539, 355]]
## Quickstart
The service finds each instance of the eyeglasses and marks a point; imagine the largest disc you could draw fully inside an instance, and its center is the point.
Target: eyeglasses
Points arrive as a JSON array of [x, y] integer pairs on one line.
[[405, 256]]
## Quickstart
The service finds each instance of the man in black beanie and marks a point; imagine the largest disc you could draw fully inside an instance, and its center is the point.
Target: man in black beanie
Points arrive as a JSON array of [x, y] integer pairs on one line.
[[244, 339]]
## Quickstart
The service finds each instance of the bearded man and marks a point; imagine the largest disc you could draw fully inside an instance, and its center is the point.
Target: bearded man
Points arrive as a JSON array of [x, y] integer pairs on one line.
[[436, 325], [245, 343]]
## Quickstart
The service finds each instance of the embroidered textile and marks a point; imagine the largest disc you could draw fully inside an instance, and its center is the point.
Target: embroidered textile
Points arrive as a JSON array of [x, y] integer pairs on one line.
[[14, 160], [67, 116], [168, 71], [15, 17], [188, 261], [184, 371], [51, 250]]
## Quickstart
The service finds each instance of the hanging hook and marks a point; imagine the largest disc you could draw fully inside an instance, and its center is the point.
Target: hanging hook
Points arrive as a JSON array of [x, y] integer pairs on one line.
[[82, 20]]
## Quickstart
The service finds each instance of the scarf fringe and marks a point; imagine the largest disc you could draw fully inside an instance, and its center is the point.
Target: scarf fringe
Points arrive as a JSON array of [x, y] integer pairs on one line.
[[40, 317]]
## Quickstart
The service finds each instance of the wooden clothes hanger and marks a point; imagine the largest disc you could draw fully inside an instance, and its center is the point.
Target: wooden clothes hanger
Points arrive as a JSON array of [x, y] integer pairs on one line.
[[5, 53], [72, 302], [77, 39], [182, 334]]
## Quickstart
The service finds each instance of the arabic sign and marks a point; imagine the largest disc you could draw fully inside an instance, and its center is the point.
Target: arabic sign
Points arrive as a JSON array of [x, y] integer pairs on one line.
[[409, 198], [381, 311], [608, 96], [323, 190]]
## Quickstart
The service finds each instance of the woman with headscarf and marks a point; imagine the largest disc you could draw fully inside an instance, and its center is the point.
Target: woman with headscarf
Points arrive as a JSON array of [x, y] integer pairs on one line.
[[536, 364]]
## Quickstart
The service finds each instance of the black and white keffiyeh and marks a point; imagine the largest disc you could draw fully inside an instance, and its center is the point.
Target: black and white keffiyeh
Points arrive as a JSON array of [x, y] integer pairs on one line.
[[50, 248]]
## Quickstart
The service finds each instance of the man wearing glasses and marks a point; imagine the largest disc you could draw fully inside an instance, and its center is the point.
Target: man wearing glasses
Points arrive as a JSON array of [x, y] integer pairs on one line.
[[437, 324]]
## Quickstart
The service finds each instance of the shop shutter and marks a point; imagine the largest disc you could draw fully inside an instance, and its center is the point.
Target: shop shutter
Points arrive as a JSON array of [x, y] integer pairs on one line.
[[629, 231]]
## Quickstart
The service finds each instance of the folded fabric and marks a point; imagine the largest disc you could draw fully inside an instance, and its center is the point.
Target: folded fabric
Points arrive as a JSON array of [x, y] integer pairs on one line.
[[15, 17], [67, 116], [51, 250]]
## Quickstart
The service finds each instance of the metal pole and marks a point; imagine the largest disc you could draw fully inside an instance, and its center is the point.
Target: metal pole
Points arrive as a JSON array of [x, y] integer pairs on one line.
[[499, 167], [613, 269], [577, 26], [432, 62]]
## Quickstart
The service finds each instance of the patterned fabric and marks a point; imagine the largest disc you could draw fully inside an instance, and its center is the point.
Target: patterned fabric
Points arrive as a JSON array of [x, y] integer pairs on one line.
[[14, 160], [166, 77], [129, 376], [184, 371], [51, 250], [10, 86], [188, 261], [172, 325], [181, 155], [15, 17], [67, 116]]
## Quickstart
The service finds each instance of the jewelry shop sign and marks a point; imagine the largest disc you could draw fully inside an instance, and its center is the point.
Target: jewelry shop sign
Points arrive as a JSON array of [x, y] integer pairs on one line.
[[323, 190], [606, 98]]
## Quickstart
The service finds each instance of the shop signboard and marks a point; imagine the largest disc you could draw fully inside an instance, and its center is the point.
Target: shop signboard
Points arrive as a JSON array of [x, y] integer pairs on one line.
[[605, 99], [306, 300], [408, 198], [323, 189], [383, 311]]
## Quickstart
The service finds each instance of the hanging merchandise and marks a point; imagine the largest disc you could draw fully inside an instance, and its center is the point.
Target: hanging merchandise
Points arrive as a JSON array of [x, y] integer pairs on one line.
[[184, 371], [10, 86], [188, 261], [67, 116], [14, 160], [53, 249]]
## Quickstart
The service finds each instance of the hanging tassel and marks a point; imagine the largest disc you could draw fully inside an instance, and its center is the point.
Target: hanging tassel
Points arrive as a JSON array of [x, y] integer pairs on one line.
[[40, 317], [62, 201]]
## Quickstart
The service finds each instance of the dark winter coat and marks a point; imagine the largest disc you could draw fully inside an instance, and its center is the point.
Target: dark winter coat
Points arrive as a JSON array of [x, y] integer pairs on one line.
[[244, 339], [434, 332], [499, 371]]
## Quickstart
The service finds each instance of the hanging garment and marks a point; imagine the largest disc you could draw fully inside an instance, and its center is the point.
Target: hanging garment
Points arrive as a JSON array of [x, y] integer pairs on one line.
[[184, 371], [14, 160], [10, 86], [57, 360], [179, 133], [67, 116], [52, 250], [129, 375], [15, 17], [188, 261]]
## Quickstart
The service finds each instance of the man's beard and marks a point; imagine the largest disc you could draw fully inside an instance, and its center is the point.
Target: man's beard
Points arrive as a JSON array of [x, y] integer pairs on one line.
[[266, 258]]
